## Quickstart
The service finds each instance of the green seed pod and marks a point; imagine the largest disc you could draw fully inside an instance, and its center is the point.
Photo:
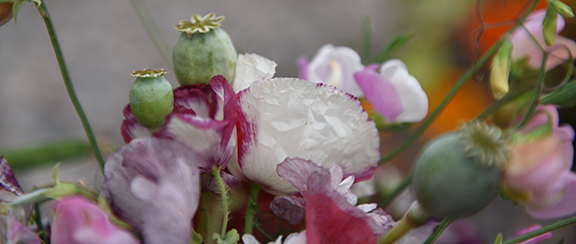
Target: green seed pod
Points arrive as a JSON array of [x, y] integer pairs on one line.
[[202, 51], [458, 174], [151, 97]]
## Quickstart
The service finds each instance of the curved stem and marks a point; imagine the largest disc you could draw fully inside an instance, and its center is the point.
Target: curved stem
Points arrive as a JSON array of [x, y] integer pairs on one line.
[[224, 198], [537, 93], [152, 30], [543, 230], [400, 230], [399, 189], [452, 93], [68, 83], [38, 221], [251, 208], [438, 231]]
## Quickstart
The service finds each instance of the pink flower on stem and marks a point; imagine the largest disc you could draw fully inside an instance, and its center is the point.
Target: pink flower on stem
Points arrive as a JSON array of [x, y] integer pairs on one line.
[[283, 117], [204, 119], [79, 221], [393, 92], [154, 185], [524, 45], [539, 173], [331, 217], [333, 66], [536, 239]]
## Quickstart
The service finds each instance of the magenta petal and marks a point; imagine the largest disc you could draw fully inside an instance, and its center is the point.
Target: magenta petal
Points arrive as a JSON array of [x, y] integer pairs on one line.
[[130, 129], [302, 63], [381, 94], [327, 223], [535, 240], [291, 209], [7, 179], [297, 171]]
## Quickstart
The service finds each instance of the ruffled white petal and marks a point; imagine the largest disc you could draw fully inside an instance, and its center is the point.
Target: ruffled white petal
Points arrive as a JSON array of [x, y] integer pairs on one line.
[[252, 67]]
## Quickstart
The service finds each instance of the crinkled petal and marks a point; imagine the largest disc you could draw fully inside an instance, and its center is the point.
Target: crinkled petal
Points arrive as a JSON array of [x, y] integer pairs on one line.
[[414, 99], [289, 208], [130, 128], [381, 94], [285, 117], [327, 223], [252, 67]]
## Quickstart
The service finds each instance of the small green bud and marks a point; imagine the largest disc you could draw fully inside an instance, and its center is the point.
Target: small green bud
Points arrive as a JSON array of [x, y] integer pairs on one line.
[[203, 50], [458, 174], [151, 97], [549, 26], [500, 70], [562, 8]]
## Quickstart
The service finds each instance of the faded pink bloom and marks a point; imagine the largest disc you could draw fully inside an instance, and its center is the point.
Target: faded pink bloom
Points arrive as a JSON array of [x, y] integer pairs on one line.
[[536, 239], [79, 221], [333, 66], [524, 45], [204, 119], [539, 172]]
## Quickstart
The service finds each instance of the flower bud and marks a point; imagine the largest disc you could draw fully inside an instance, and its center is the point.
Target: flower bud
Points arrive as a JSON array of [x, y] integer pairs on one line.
[[5, 12], [549, 26], [562, 8], [458, 174], [500, 70], [151, 97], [202, 51]]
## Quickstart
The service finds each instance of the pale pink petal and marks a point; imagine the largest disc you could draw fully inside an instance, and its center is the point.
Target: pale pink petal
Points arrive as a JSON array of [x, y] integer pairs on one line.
[[302, 62], [18, 233], [414, 99], [381, 94], [250, 68], [561, 51], [536, 239], [562, 208], [284, 118]]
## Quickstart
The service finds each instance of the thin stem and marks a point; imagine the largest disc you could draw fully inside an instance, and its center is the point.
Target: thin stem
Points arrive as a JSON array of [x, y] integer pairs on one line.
[[399, 189], [251, 208], [537, 93], [152, 30], [496, 105], [438, 231], [264, 234], [224, 198], [31, 197], [543, 230], [451, 94], [68, 83], [400, 230], [39, 225]]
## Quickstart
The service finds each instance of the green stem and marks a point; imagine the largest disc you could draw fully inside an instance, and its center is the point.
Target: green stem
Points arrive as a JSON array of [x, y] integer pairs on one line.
[[152, 30], [451, 94], [537, 93], [251, 208], [263, 233], [31, 197], [39, 225], [399, 189], [224, 198], [438, 231], [496, 105], [400, 230], [543, 230], [68, 83]]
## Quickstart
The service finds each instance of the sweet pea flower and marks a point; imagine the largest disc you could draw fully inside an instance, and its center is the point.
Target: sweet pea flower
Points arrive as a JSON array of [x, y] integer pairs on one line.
[[333, 66], [536, 239], [393, 92], [538, 175], [153, 185], [331, 217], [79, 221], [524, 45], [284, 117], [204, 119]]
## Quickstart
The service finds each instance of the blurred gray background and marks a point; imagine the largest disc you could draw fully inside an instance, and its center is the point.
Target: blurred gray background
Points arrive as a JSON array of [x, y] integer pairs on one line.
[[103, 42]]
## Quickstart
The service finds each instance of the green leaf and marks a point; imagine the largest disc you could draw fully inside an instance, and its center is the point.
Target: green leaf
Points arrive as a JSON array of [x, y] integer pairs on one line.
[[537, 134], [549, 26], [16, 7], [367, 38], [195, 238], [565, 96], [6, 1], [498, 239], [562, 8], [46, 153], [397, 43], [232, 237]]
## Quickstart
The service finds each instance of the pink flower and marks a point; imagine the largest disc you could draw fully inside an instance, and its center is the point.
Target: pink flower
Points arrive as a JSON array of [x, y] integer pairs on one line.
[[539, 173], [154, 185], [79, 221], [331, 217], [393, 92], [536, 239], [204, 119], [283, 117], [333, 66], [524, 46]]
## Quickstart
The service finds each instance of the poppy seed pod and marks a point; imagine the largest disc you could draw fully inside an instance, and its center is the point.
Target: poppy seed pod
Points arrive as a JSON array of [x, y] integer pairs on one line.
[[151, 97], [202, 51]]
